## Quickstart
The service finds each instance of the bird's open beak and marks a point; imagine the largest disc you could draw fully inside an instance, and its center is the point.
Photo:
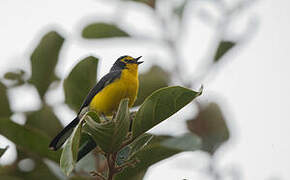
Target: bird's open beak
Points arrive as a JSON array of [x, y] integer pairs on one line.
[[138, 62]]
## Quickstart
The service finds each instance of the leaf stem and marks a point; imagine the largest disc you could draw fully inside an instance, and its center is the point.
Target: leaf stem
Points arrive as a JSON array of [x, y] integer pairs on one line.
[[99, 175]]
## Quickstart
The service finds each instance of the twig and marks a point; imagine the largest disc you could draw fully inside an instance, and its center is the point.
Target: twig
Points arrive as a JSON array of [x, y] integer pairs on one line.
[[99, 175], [111, 159]]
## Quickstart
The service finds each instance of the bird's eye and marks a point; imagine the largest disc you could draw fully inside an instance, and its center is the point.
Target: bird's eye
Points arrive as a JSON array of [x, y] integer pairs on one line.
[[126, 60]]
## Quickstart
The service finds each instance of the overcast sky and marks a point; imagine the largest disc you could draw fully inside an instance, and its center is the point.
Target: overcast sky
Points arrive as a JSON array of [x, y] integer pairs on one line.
[[253, 86]]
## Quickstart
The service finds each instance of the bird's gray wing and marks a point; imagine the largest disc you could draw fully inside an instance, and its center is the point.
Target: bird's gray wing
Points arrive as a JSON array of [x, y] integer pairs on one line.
[[106, 80]]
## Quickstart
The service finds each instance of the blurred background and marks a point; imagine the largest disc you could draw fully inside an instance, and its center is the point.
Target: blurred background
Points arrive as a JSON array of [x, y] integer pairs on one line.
[[238, 50]]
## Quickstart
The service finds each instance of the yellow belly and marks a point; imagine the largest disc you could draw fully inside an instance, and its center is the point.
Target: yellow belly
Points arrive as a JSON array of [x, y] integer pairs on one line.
[[108, 99]]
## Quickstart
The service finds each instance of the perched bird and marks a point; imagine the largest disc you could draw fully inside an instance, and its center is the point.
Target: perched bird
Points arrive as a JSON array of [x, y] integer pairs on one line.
[[121, 82]]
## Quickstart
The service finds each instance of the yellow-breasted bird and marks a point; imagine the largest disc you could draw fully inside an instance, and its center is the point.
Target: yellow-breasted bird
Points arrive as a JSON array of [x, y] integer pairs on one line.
[[121, 82]]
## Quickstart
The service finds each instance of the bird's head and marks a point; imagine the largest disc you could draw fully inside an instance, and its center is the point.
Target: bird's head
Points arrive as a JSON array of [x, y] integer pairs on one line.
[[126, 62]]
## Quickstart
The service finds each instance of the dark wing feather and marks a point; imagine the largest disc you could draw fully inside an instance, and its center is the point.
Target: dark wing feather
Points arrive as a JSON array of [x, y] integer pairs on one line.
[[58, 141], [106, 80]]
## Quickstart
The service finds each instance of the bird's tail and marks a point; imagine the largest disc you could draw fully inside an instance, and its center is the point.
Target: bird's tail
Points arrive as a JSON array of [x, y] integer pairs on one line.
[[59, 139]]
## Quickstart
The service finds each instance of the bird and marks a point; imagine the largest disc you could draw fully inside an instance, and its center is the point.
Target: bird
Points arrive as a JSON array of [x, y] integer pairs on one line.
[[104, 98]]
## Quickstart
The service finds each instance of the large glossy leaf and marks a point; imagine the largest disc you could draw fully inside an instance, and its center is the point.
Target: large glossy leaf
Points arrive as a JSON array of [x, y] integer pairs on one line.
[[28, 139], [211, 126], [44, 120], [110, 135], [222, 49], [69, 154], [151, 81], [5, 110], [159, 149], [2, 150], [43, 61], [79, 82], [103, 30], [159, 106]]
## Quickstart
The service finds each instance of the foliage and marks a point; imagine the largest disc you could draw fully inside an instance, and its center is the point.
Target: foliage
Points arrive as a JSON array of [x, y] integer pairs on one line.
[[113, 135], [103, 30], [155, 78], [70, 151], [211, 126], [78, 84], [27, 139], [159, 106], [5, 110], [222, 49], [2, 150], [123, 142], [43, 61]]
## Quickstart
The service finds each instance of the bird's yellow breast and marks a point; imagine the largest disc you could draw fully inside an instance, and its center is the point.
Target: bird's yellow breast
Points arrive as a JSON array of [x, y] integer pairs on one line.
[[108, 99]]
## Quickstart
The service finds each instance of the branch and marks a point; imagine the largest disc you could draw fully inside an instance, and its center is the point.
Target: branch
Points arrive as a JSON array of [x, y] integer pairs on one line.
[[99, 175]]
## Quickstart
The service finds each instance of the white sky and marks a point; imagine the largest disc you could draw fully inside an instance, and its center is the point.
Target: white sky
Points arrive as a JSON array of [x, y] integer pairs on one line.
[[254, 86]]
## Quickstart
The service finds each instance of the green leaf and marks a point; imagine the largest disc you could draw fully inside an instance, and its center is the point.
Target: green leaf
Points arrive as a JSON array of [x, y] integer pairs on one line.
[[94, 116], [69, 154], [43, 61], [44, 120], [211, 126], [16, 76], [140, 143], [28, 139], [5, 110], [222, 49], [101, 133], [179, 10], [103, 30], [130, 150], [159, 106], [151, 81], [6, 177], [150, 3], [79, 82], [87, 144], [2, 150], [39, 169], [187, 142], [160, 149], [123, 155], [110, 135], [122, 123]]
